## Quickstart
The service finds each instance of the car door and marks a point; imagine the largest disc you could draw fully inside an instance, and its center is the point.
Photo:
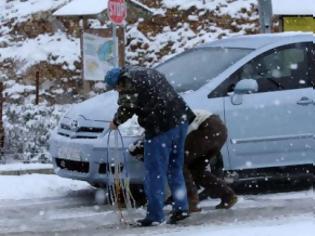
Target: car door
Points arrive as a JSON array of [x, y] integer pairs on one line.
[[273, 126]]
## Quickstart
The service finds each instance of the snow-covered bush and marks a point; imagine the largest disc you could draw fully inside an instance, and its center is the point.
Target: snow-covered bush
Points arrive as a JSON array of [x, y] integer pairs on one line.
[[27, 130]]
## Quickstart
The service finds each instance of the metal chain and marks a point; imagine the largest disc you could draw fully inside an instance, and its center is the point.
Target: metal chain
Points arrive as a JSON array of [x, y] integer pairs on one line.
[[118, 187]]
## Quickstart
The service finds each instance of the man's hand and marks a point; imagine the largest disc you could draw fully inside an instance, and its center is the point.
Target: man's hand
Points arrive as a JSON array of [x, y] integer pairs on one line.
[[112, 125]]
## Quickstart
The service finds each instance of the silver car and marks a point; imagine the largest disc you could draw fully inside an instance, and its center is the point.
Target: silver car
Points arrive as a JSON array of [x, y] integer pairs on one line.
[[262, 86]]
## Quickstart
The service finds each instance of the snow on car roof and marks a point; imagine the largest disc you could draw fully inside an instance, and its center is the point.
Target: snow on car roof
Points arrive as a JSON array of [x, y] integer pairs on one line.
[[259, 40], [293, 7]]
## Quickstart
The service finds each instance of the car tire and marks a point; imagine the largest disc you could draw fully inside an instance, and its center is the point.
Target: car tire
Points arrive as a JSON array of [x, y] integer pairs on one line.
[[138, 194]]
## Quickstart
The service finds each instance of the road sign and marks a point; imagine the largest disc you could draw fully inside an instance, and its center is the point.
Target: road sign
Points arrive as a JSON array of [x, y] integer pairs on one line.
[[117, 11]]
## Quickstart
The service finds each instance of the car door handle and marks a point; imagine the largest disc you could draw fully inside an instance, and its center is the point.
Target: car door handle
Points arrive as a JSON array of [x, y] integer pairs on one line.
[[305, 101]]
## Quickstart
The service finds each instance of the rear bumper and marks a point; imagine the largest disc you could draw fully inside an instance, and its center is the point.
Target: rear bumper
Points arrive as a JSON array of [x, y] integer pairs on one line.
[[91, 165]]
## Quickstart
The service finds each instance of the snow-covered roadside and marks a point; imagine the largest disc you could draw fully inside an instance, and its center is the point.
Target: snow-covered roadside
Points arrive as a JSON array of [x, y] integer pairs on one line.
[[290, 214], [301, 225], [38, 186], [21, 166], [43, 185]]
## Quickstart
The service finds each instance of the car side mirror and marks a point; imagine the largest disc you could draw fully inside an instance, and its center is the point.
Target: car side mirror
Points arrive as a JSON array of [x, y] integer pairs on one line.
[[246, 86]]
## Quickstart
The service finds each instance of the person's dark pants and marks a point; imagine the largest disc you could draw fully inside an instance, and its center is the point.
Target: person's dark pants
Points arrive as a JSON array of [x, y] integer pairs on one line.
[[203, 145], [164, 158]]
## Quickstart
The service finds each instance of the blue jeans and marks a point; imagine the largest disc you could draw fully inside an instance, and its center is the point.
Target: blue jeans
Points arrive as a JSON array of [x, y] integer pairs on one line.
[[164, 158]]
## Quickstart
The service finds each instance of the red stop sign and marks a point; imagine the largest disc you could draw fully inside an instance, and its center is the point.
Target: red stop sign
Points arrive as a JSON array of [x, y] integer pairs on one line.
[[117, 11]]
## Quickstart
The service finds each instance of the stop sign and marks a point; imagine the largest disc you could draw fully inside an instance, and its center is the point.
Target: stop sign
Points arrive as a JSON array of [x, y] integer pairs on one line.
[[117, 11]]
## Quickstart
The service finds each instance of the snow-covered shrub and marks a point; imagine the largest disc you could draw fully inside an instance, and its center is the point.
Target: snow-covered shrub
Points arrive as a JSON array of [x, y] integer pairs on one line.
[[27, 130]]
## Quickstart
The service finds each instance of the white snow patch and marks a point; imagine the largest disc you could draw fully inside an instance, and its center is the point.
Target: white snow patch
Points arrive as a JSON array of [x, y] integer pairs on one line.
[[22, 10], [18, 88], [21, 166], [56, 49], [143, 6], [58, 91], [38, 186], [193, 18]]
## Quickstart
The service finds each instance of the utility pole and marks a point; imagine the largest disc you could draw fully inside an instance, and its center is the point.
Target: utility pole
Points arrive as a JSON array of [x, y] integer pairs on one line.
[[265, 15]]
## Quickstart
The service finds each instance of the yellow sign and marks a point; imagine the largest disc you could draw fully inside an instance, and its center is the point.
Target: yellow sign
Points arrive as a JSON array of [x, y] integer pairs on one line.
[[299, 23]]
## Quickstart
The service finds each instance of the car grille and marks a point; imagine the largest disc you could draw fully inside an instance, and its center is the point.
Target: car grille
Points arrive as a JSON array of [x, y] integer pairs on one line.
[[81, 132], [78, 166]]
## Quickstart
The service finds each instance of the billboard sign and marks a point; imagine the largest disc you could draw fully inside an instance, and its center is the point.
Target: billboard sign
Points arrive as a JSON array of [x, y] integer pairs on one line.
[[98, 56]]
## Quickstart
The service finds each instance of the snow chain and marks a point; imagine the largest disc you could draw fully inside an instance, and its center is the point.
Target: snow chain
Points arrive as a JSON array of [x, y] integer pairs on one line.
[[118, 187]]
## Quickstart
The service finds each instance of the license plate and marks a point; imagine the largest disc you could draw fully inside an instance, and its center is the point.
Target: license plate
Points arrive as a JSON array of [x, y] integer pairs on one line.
[[70, 154]]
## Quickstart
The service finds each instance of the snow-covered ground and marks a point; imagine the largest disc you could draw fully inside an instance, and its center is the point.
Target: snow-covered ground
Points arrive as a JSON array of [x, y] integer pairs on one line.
[[37, 186], [50, 205], [17, 166], [303, 225]]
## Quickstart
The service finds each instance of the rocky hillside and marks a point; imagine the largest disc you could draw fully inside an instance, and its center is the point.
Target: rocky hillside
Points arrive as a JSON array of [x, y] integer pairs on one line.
[[31, 40]]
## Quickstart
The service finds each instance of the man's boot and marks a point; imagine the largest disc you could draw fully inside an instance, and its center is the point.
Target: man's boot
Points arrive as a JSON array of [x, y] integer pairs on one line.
[[192, 191], [193, 201], [177, 216], [227, 202], [216, 187]]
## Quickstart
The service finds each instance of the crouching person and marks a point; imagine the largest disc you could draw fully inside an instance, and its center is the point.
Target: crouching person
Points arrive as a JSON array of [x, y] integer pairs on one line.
[[165, 117], [205, 137]]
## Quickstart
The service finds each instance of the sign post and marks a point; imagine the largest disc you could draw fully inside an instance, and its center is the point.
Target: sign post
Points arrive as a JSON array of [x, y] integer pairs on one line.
[[117, 13], [265, 15]]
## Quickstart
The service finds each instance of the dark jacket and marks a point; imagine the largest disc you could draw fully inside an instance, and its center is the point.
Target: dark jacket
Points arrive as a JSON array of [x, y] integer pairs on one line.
[[148, 94]]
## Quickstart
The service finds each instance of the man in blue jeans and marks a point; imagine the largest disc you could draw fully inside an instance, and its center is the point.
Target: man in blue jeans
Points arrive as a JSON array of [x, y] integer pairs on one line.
[[165, 117]]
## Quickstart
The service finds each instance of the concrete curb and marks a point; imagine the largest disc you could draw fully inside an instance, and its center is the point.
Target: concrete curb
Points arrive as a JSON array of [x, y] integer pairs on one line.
[[27, 171]]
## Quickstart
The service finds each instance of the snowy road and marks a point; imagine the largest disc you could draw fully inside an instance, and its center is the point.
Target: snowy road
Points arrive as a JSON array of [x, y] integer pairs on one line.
[[76, 213]]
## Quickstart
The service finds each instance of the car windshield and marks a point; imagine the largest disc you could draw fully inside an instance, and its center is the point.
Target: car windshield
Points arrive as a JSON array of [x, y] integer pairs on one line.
[[196, 67]]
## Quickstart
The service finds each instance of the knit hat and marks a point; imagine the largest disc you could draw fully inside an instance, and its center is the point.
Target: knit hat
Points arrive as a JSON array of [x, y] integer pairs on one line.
[[112, 77]]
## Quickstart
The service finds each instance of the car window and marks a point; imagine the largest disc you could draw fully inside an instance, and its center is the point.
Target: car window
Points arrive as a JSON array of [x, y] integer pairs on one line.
[[194, 68], [283, 68], [280, 69]]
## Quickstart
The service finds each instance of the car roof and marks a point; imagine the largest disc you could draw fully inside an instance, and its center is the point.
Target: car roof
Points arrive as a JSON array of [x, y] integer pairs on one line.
[[259, 40]]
